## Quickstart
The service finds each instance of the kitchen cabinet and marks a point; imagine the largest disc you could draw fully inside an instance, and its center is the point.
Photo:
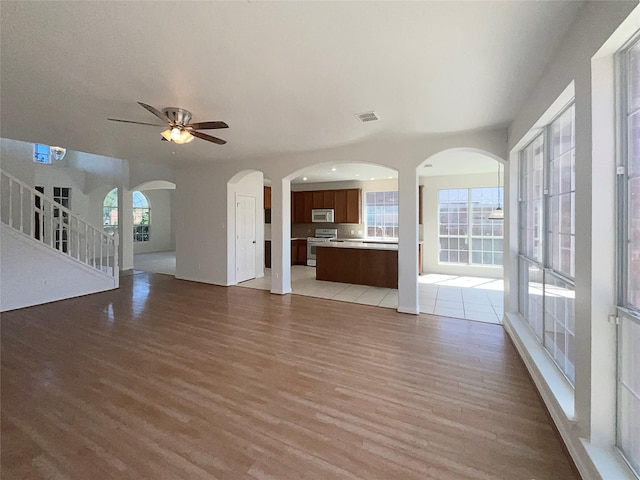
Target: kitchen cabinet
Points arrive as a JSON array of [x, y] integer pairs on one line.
[[297, 207], [353, 206], [308, 206], [360, 265], [340, 214], [298, 251], [267, 253], [318, 199], [328, 199], [420, 187], [346, 203], [267, 198]]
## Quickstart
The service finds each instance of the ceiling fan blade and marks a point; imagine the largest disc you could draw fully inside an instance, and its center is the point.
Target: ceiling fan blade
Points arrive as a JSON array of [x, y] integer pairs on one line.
[[208, 138], [137, 123], [207, 125], [156, 112]]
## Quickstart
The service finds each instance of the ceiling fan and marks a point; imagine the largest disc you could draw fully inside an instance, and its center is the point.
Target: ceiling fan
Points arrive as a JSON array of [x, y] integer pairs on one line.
[[180, 130]]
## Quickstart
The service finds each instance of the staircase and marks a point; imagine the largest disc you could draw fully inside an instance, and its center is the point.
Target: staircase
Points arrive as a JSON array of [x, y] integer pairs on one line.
[[48, 252]]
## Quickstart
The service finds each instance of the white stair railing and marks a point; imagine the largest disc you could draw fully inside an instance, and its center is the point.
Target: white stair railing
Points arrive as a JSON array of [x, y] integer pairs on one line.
[[34, 214]]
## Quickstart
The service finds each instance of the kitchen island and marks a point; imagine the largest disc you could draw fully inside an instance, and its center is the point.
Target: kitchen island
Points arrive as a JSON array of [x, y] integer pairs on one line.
[[361, 263]]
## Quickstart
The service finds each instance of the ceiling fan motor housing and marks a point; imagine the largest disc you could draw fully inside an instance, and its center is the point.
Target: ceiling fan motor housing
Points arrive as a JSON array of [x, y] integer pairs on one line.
[[179, 116]]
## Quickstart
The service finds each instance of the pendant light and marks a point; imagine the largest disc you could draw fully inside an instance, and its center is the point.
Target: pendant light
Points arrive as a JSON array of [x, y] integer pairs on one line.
[[498, 213]]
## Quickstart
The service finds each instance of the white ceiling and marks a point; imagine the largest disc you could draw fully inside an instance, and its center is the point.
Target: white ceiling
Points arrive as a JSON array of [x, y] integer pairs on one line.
[[286, 76], [445, 163]]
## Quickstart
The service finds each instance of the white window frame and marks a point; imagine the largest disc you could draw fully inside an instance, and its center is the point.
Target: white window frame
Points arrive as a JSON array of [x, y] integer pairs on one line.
[[628, 313], [141, 231], [547, 294], [469, 238], [382, 227]]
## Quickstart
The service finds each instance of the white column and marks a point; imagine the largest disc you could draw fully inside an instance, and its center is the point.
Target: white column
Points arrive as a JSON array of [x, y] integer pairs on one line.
[[408, 241], [281, 236], [125, 228]]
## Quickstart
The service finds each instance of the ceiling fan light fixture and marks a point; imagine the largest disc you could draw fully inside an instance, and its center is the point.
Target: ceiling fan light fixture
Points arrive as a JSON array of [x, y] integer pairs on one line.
[[181, 138], [184, 137], [57, 153], [175, 133], [497, 214]]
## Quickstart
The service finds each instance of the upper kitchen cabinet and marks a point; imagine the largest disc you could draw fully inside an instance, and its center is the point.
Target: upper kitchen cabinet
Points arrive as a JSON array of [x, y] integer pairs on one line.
[[301, 206], [318, 199], [353, 206], [267, 198], [328, 199], [345, 203]]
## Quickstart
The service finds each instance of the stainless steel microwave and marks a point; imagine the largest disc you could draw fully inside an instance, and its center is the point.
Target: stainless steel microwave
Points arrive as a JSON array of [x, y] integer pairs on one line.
[[322, 215]]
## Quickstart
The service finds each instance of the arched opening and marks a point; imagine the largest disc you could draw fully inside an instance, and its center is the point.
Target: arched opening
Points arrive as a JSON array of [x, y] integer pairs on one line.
[[152, 240], [461, 190], [348, 203]]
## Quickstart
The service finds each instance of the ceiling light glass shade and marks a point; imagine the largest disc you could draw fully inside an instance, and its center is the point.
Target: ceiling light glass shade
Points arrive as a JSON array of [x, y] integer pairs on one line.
[[185, 137], [175, 133], [57, 153], [497, 214], [182, 137]]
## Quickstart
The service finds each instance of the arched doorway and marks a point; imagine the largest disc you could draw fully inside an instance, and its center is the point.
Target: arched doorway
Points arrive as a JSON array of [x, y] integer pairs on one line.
[[462, 190]]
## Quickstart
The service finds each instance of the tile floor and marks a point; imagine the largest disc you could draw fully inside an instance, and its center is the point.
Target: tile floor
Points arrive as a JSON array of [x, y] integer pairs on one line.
[[471, 298]]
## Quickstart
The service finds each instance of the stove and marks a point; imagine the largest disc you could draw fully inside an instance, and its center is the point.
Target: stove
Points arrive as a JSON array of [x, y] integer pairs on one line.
[[321, 235]]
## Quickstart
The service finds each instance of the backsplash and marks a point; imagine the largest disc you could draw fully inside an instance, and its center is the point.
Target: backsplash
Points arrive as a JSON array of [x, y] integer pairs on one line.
[[302, 230]]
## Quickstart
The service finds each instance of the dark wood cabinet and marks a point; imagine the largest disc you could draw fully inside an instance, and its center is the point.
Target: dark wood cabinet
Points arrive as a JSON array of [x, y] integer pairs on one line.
[[318, 199], [420, 187], [361, 266], [297, 207], [353, 206], [298, 252], [267, 253], [346, 203], [308, 206], [267, 198], [328, 199], [340, 206]]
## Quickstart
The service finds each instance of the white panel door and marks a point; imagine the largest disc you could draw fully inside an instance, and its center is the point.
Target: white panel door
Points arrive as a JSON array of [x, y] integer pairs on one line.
[[245, 238]]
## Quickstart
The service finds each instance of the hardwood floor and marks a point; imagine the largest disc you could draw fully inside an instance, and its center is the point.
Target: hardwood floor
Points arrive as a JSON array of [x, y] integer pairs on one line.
[[171, 379]]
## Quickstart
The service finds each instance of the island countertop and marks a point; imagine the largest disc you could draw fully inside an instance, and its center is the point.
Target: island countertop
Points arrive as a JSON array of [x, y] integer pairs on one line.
[[359, 245]]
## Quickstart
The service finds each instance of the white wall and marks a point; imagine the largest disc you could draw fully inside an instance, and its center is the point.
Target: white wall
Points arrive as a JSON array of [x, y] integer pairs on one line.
[[432, 185], [201, 224], [32, 273], [161, 232]]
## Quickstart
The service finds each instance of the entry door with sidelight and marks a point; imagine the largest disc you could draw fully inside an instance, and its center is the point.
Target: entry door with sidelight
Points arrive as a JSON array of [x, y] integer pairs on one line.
[[245, 238]]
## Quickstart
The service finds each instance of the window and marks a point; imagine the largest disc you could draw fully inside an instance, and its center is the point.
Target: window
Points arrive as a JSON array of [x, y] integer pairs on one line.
[[381, 214], [466, 234], [141, 214], [547, 239], [41, 153], [110, 211], [62, 196], [629, 255]]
